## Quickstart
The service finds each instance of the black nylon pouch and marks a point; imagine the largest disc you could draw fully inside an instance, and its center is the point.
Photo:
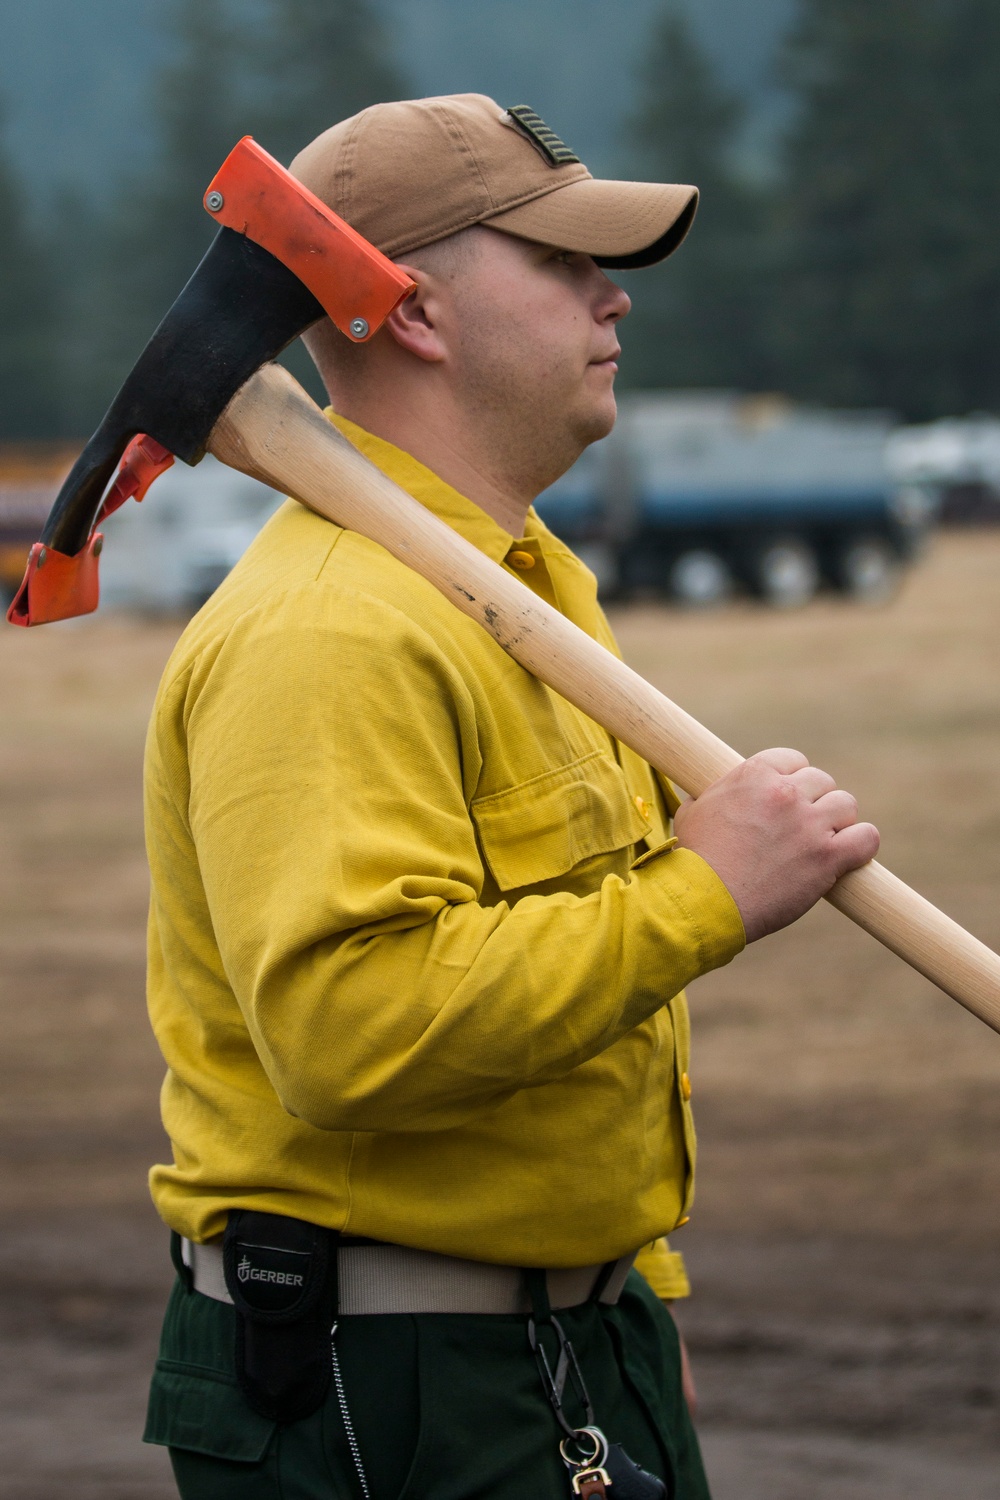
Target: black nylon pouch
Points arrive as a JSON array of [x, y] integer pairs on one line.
[[628, 1480], [282, 1276]]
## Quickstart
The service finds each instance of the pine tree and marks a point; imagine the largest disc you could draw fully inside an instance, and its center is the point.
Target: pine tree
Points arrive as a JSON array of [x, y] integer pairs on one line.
[[160, 229], [137, 254], [28, 387], [317, 62], [892, 285], [696, 318], [969, 375]]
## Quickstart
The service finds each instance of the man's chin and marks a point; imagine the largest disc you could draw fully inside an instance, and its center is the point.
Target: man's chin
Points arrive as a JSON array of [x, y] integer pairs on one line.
[[599, 421]]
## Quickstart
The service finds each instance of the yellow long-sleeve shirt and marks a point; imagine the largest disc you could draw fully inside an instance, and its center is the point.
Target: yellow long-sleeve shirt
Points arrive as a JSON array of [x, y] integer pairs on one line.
[[417, 937]]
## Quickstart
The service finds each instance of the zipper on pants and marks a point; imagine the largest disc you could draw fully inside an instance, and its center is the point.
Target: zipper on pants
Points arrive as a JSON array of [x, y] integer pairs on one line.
[[352, 1441]]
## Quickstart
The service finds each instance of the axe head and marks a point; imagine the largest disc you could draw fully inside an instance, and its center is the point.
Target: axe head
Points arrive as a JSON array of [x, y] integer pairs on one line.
[[280, 260]]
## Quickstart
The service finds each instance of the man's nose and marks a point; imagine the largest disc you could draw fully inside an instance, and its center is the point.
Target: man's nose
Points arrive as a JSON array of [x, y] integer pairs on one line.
[[615, 301]]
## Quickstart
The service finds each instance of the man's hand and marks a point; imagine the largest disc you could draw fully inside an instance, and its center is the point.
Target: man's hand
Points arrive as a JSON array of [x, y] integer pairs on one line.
[[778, 833]]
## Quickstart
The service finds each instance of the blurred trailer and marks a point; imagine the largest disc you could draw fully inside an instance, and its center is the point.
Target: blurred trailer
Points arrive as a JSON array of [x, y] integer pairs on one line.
[[959, 459], [696, 494]]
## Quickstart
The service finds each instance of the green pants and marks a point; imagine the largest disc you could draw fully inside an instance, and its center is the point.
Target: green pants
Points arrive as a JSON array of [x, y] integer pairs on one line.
[[444, 1407]]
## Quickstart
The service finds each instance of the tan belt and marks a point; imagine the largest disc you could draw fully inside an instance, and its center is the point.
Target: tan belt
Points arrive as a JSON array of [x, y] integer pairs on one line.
[[393, 1279]]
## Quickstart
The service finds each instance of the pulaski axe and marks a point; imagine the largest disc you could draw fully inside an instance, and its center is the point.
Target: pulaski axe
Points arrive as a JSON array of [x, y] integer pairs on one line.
[[205, 383]]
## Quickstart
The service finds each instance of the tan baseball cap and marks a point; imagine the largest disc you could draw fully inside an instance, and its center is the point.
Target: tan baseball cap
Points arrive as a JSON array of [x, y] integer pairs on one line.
[[409, 173]]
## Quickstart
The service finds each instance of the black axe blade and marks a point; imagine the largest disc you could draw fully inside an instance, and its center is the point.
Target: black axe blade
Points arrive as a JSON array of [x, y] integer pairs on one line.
[[279, 262], [240, 309]]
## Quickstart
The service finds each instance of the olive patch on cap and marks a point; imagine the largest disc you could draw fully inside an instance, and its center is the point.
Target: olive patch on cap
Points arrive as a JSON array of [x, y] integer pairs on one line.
[[535, 128]]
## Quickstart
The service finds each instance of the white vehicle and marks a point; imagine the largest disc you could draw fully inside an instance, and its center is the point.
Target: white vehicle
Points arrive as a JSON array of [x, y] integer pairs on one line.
[[172, 551], [958, 458]]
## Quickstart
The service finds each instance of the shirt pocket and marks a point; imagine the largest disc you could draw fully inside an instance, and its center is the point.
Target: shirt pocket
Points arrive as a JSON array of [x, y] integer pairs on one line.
[[546, 826]]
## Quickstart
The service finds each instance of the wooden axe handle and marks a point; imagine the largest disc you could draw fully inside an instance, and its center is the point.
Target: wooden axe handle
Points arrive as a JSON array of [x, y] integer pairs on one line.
[[272, 430]]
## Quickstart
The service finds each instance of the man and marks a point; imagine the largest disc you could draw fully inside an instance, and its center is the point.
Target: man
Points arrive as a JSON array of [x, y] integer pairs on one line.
[[419, 928]]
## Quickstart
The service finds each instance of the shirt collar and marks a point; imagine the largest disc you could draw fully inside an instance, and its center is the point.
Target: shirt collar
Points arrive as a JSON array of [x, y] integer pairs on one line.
[[461, 514], [574, 586]]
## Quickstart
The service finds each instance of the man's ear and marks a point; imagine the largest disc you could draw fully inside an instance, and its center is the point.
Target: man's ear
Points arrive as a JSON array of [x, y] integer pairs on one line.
[[416, 323]]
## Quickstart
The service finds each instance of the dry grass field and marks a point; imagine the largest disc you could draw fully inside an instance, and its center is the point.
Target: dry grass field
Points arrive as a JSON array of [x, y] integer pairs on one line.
[[846, 1322]]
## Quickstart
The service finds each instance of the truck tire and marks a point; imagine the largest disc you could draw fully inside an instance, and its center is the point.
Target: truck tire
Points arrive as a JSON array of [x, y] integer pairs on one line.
[[699, 579], [785, 573], [867, 568]]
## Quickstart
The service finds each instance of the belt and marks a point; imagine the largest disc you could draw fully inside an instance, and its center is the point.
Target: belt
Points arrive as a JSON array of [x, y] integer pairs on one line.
[[377, 1278]]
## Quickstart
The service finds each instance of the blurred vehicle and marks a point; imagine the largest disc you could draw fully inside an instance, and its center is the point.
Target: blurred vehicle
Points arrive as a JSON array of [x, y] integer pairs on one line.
[[959, 459], [166, 555], [697, 494], [30, 476]]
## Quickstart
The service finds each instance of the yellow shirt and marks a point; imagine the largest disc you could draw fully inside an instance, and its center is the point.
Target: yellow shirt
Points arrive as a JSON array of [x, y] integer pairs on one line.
[[414, 960]]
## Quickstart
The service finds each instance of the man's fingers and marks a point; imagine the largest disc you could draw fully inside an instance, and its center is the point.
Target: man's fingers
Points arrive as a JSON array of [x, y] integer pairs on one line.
[[778, 833], [838, 808], [812, 782], [782, 759], [855, 846]]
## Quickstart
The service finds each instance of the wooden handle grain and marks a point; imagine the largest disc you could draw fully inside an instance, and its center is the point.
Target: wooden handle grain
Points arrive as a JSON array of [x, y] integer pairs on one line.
[[274, 431]]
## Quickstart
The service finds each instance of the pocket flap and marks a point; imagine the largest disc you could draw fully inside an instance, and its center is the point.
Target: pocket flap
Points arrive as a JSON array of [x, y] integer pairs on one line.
[[204, 1413], [547, 826]]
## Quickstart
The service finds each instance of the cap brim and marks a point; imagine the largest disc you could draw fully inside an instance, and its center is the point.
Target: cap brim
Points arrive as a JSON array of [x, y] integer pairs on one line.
[[623, 225]]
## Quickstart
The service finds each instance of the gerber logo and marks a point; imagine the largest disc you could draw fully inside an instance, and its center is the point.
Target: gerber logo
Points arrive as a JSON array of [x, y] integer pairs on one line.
[[247, 1271]]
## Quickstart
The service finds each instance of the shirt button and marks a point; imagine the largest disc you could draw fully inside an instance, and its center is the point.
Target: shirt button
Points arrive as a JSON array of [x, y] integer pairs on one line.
[[522, 560], [685, 1086], [642, 805]]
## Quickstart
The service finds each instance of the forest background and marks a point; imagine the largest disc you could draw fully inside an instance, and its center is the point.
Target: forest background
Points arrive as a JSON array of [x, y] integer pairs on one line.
[[848, 151]]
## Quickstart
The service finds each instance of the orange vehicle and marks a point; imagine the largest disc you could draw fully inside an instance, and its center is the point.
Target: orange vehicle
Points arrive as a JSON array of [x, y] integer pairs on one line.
[[30, 476]]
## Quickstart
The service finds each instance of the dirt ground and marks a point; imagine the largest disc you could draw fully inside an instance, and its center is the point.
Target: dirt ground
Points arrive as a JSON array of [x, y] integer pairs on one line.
[[845, 1326]]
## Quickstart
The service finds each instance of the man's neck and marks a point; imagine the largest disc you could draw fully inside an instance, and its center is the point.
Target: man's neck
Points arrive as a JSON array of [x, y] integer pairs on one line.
[[450, 451]]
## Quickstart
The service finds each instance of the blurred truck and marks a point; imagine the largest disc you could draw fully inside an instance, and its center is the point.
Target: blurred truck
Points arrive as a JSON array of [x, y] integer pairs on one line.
[[697, 494]]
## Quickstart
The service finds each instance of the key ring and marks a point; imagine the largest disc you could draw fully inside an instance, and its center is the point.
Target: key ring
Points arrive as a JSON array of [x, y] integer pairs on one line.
[[595, 1460]]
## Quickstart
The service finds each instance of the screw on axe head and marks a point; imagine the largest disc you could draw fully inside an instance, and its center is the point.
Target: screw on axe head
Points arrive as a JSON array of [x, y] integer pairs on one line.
[[280, 260]]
